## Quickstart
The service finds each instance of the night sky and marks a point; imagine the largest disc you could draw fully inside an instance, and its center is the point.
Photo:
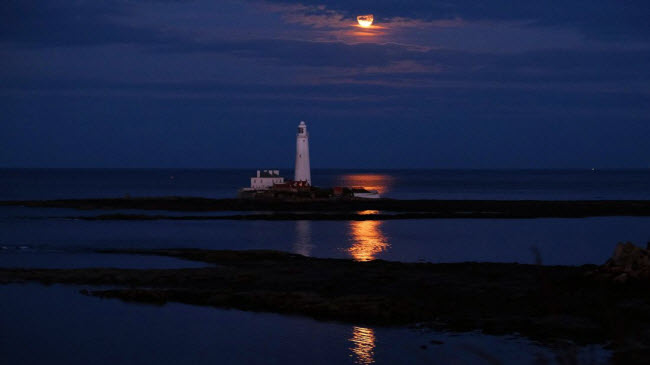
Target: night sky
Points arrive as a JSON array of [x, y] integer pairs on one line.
[[433, 84]]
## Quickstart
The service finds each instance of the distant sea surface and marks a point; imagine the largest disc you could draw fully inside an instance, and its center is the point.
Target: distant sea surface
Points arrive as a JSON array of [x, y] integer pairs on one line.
[[398, 184]]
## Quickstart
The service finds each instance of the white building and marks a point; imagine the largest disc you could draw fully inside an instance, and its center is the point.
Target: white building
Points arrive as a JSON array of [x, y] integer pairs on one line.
[[303, 171], [265, 179]]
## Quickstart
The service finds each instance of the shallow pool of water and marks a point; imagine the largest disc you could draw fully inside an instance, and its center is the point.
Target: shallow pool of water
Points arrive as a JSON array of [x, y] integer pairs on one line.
[[56, 324]]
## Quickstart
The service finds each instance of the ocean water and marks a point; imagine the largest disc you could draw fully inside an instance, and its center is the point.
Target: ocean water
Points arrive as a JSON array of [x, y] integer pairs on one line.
[[69, 328], [398, 184]]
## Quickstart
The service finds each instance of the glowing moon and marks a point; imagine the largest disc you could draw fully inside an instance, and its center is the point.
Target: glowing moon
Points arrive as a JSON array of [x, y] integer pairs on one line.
[[365, 20]]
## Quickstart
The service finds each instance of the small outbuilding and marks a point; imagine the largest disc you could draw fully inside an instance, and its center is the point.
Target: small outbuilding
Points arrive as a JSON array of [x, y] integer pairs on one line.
[[265, 179]]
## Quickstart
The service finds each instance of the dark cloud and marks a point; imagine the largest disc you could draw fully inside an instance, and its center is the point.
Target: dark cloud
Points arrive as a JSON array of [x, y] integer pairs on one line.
[[601, 19], [70, 23], [543, 65], [102, 75], [67, 23], [303, 53]]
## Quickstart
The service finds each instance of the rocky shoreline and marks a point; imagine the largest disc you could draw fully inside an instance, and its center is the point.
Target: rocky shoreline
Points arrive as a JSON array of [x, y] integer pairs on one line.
[[548, 303], [350, 209]]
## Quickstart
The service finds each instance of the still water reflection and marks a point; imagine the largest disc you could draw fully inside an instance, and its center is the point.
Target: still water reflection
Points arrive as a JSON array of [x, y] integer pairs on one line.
[[303, 245], [367, 238], [38, 327], [363, 345], [380, 182]]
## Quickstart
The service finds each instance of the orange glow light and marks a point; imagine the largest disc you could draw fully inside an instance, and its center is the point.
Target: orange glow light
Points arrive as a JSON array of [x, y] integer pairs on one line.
[[365, 20], [367, 239], [364, 345], [380, 182]]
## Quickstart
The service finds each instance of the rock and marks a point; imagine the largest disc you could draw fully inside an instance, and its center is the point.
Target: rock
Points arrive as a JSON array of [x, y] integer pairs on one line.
[[622, 278], [629, 262]]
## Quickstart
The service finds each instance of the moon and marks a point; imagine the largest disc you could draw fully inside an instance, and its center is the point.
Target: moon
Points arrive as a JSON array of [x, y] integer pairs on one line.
[[365, 20]]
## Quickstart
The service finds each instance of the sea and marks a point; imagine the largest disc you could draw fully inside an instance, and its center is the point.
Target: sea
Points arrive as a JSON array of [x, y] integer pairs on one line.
[[57, 324]]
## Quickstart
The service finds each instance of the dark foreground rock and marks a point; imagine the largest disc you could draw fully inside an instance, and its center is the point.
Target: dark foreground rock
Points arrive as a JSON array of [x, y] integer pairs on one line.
[[629, 263], [542, 302], [318, 208]]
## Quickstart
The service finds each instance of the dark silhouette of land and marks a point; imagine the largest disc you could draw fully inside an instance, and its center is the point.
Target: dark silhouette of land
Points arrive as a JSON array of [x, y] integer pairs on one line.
[[273, 209], [546, 303]]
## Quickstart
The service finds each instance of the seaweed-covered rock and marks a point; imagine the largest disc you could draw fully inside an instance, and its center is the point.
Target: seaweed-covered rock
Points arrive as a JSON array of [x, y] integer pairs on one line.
[[629, 262]]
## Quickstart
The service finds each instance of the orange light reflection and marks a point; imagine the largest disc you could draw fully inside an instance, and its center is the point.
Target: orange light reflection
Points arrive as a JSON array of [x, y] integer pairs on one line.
[[367, 238], [380, 182], [370, 31], [363, 350], [372, 27], [363, 34], [368, 212]]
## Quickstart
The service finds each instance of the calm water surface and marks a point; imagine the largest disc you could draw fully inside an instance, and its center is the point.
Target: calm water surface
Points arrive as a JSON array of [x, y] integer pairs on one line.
[[38, 241], [56, 324], [399, 184]]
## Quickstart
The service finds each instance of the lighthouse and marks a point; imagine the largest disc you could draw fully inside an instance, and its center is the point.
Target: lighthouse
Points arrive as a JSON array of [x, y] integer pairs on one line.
[[303, 171]]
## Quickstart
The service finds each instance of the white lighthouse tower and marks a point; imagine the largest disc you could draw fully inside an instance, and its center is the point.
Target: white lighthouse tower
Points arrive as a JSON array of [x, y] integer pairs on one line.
[[303, 171]]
